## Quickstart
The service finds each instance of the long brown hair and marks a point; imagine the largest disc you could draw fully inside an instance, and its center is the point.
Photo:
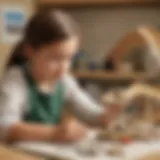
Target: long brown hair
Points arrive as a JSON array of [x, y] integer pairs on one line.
[[44, 28]]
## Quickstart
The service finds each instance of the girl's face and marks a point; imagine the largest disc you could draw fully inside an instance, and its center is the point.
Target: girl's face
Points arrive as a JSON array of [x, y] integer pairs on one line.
[[51, 62]]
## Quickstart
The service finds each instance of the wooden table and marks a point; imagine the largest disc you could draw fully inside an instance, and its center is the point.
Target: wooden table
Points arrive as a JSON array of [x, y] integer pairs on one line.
[[134, 151], [8, 153], [153, 156]]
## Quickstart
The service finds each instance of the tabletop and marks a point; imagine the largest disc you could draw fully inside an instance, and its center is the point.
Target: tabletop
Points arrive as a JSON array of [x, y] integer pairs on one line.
[[134, 151], [9, 153]]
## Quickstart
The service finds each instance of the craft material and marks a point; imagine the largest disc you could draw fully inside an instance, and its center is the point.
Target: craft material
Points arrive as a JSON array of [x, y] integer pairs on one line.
[[86, 149], [115, 150]]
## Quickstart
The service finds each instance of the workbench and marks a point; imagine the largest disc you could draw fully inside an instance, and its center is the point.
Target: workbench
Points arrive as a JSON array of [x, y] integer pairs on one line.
[[132, 151], [9, 153]]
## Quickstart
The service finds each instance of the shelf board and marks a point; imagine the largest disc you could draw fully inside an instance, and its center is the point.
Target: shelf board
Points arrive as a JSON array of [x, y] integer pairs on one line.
[[92, 3], [102, 75]]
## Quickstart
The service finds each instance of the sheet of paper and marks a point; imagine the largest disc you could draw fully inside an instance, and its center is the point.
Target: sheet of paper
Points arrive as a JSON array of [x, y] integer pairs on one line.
[[132, 151]]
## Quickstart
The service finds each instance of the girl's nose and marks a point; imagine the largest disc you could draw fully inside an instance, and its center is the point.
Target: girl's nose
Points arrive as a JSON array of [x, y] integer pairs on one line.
[[63, 67]]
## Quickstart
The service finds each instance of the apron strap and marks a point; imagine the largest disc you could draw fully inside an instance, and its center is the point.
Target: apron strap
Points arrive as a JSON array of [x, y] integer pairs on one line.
[[44, 108]]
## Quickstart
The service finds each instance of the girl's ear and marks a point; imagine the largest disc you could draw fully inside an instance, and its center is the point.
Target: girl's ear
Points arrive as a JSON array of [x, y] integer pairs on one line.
[[29, 51]]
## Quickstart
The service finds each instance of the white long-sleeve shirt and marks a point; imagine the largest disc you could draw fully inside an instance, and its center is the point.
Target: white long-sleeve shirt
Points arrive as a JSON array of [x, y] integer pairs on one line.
[[14, 100]]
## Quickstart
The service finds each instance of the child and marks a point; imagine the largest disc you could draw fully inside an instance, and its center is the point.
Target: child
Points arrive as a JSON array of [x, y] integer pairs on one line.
[[36, 84]]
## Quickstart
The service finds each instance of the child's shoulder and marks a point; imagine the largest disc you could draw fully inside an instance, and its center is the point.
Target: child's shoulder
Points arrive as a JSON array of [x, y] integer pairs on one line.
[[12, 83], [13, 71], [13, 76]]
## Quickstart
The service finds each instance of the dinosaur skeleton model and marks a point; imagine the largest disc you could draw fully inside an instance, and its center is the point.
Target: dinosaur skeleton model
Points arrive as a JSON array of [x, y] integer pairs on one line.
[[140, 116]]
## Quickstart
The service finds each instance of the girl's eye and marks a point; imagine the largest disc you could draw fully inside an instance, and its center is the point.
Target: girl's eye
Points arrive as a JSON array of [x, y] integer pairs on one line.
[[63, 58], [54, 58], [59, 57]]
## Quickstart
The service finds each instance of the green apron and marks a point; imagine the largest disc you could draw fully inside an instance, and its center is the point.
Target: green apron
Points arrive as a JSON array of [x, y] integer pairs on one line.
[[44, 108]]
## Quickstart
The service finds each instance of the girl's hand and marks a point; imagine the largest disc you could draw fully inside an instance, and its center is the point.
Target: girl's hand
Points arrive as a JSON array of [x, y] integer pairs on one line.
[[111, 114], [71, 131]]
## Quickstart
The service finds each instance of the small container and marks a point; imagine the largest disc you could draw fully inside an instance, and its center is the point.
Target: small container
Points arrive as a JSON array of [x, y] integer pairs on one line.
[[80, 61], [93, 65]]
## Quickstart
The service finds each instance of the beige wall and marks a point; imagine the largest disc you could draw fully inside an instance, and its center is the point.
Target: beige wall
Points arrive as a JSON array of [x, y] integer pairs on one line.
[[103, 27]]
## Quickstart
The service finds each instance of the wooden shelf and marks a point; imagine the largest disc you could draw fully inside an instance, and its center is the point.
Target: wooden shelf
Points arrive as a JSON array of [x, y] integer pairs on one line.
[[101, 75], [92, 3]]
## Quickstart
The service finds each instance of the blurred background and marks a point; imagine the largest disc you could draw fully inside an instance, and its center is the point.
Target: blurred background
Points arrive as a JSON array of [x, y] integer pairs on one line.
[[120, 44], [120, 39]]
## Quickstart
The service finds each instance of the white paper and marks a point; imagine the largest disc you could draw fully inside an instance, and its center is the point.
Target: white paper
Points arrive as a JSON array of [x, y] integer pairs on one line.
[[133, 151]]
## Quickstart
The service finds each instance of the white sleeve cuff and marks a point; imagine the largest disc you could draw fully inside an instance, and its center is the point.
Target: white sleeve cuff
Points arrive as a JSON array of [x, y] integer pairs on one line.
[[5, 124]]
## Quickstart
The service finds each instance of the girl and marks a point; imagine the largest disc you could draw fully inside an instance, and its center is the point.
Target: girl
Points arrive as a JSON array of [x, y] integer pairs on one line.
[[36, 84]]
